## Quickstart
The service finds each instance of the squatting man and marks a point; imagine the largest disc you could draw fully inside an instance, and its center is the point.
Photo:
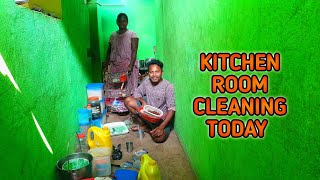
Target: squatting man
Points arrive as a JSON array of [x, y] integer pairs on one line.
[[156, 92]]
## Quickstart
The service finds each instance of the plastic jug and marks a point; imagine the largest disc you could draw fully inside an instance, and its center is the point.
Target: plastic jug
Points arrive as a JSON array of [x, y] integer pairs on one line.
[[98, 137], [149, 169]]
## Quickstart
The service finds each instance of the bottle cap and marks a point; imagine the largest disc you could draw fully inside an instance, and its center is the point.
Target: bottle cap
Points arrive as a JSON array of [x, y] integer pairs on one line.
[[80, 135]]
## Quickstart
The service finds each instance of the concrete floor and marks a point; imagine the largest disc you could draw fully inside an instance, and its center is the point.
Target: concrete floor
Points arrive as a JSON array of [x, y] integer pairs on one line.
[[170, 157]]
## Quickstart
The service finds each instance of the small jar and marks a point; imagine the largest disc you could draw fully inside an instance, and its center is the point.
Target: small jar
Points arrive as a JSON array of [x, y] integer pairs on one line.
[[81, 143], [95, 107]]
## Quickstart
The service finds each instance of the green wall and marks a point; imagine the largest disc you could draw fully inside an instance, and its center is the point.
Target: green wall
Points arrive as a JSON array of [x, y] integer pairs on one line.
[[290, 148], [48, 60], [141, 20]]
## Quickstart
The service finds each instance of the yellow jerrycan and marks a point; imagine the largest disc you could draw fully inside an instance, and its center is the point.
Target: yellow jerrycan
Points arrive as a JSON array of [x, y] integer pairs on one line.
[[149, 169], [98, 137]]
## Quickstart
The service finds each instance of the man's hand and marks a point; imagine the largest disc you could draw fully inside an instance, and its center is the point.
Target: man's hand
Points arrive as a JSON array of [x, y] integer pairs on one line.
[[158, 131]]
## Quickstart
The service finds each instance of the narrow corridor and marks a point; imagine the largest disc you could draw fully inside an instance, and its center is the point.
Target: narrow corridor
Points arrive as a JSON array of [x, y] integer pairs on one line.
[[170, 157]]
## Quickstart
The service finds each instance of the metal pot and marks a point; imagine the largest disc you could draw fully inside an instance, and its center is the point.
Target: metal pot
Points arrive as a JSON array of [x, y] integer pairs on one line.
[[77, 174]]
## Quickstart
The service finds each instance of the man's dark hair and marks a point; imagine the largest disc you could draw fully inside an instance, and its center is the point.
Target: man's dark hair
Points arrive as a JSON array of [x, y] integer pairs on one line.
[[156, 62], [122, 14]]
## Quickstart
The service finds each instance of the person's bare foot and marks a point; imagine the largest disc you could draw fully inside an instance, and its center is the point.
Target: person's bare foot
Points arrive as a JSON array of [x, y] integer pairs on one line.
[[137, 127]]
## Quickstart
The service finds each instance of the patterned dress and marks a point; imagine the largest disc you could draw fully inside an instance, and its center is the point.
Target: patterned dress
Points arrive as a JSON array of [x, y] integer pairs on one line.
[[120, 57]]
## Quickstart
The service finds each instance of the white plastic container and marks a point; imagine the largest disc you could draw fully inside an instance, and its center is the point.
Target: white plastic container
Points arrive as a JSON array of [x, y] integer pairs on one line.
[[152, 111], [101, 163], [95, 89], [117, 128]]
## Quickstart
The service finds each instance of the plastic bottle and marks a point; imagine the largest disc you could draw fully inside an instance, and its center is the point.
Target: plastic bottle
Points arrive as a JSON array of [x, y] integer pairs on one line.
[[98, 137], [90, 111], [149, 169]]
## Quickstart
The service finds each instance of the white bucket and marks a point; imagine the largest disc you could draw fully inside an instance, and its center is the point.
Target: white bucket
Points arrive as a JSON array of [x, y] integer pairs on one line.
[[95, 89]]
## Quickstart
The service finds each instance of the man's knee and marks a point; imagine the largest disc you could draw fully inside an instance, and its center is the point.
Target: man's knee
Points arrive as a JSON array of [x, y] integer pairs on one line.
[[161, 139], [130, 101]]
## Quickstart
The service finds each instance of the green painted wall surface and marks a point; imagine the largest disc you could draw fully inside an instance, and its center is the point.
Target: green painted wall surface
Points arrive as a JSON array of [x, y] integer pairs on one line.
[[48, 60], [141, 20], [94, 50], [290, 148]]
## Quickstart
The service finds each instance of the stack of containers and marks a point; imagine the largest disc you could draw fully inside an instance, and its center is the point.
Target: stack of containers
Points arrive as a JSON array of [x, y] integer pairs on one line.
[[99, 141], [95, 97]]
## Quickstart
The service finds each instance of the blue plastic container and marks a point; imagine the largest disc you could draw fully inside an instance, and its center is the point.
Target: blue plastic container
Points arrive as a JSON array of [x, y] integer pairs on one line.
[[83, 116], [125, 174], [96, 122]]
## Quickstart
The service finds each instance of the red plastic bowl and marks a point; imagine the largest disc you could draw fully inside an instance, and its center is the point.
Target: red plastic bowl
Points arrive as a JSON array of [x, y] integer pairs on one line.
[[147, 117]]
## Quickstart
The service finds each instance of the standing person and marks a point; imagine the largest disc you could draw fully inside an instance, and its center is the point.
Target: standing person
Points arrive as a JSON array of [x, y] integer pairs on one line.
[[122, 53], [158, 93]]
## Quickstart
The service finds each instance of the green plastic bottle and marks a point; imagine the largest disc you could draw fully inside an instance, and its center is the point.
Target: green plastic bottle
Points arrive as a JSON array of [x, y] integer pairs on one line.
[[149, 169]]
